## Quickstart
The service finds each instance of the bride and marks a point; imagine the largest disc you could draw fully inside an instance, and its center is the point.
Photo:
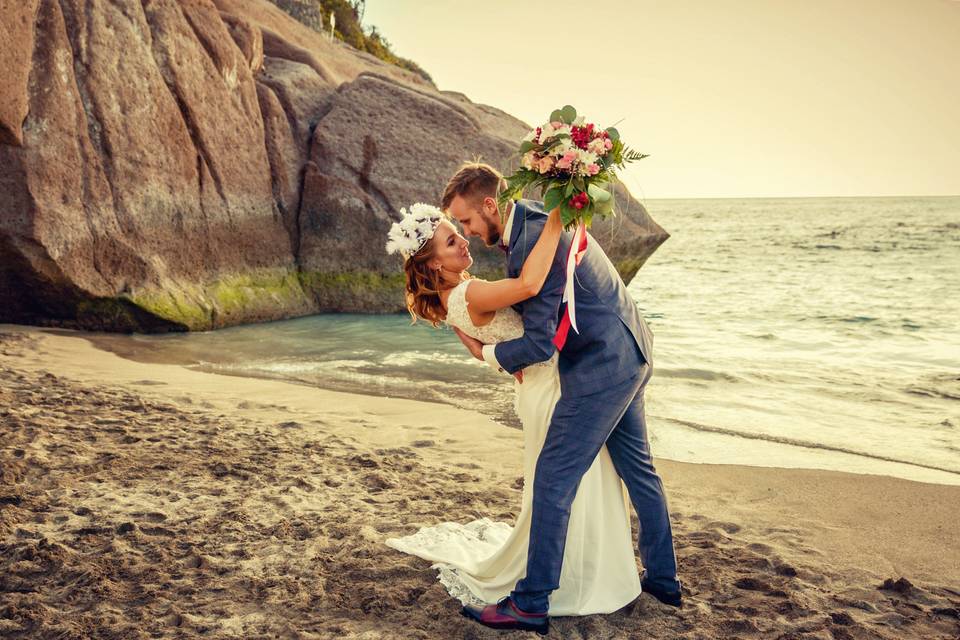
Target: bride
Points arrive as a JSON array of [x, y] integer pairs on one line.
[[481, 561]]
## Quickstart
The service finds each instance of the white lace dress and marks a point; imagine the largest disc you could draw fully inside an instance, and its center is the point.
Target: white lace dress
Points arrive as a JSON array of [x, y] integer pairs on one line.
[[481, 561]]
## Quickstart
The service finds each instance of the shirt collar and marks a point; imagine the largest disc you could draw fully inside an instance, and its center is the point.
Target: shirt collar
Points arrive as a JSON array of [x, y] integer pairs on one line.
[[508, 225]]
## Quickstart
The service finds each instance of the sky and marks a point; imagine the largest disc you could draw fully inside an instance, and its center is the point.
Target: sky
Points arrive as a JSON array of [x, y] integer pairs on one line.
[[731, 98]]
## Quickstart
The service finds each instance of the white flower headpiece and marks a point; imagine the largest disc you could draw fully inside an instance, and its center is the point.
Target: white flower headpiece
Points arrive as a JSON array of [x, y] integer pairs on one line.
[[415, 228]]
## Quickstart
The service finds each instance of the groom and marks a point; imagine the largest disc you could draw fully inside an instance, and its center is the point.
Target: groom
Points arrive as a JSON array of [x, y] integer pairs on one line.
[[604, 370]]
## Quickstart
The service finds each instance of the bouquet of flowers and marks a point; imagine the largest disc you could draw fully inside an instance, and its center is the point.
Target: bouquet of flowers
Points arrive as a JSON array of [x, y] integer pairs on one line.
[[572, 163]]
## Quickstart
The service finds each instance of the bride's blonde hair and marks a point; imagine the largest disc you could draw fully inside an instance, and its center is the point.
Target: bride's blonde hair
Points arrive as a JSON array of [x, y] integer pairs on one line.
[[423, 286]]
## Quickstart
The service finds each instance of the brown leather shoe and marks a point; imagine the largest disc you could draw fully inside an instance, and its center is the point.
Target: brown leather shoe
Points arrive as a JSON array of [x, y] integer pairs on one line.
[[506, 615]]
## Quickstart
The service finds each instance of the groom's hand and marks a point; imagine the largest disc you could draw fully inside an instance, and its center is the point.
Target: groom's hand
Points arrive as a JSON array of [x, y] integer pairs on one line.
[[476, 348], [473, 345]]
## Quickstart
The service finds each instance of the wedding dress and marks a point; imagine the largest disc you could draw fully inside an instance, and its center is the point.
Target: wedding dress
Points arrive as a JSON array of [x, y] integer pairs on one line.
[[481, 561]]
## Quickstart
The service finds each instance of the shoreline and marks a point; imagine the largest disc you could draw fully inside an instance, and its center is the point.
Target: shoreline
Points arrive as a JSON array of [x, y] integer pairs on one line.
[[683, 441], [239, 506]]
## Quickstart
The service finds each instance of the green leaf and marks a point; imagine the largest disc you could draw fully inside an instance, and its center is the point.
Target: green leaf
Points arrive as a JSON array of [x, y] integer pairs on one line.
[[587, 214], [568, 215], [597, 193], [550, 145], [553, 197], [569, 114], [613, 133], [556, 116], [569, 190], [526, 146], [603, 209]]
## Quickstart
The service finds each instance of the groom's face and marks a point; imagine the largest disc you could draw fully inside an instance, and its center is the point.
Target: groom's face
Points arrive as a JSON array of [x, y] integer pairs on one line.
[[479, 218]]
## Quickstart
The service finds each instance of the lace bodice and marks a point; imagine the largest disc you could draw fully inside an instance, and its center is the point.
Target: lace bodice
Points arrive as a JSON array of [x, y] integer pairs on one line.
[[506, 324]]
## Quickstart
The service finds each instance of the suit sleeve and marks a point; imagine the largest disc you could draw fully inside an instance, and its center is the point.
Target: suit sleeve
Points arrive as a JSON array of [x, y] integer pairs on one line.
[[539, 316]]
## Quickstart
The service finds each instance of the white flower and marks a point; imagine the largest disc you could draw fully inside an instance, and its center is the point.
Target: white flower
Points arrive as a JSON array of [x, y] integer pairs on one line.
[[585, 157], [414, 230], [548, 131], [578, 122], [527, 160], [566, 144], [545, 132]]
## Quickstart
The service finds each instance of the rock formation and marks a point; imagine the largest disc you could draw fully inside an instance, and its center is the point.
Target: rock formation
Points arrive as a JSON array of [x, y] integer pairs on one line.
[[194, 164]]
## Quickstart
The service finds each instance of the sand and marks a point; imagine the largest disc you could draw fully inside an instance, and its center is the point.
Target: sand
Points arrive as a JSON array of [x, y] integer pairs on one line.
[[145, 501]]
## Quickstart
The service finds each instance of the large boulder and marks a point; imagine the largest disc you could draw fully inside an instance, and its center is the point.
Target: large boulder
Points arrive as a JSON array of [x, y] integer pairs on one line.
[[193, 164]]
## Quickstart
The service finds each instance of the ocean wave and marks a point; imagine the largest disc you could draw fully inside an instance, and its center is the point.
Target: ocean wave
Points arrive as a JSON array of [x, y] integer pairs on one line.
[[806, 444], [409, 358], [946, 386], [696, 374]]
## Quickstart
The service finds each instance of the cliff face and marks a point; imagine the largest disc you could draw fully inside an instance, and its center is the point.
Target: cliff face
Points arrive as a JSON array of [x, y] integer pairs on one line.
[[193, 164]]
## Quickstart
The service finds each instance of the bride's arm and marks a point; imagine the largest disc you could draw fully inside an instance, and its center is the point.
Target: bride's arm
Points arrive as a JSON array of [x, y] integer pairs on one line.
[[485, 297]]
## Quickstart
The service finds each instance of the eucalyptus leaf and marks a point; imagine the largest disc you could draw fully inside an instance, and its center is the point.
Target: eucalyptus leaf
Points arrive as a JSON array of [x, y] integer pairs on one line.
[[569, 114], [556, 116], [613, 133]]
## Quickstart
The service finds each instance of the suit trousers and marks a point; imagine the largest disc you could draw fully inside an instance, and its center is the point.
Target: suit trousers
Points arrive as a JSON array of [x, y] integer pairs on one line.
[[579, 428]]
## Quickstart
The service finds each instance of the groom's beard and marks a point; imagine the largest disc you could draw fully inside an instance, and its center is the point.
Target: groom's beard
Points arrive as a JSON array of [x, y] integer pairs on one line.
[[492, 237]]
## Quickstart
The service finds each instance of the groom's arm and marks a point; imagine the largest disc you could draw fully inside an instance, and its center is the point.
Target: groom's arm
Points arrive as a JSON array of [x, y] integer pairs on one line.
[[539, 320], [475, 347]]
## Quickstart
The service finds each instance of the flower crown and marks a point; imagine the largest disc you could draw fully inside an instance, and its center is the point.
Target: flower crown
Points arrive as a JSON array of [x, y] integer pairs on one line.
[[414, 230]]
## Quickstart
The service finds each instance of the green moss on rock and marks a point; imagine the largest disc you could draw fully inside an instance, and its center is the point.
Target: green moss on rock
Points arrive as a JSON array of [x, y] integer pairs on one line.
[[355, 291], [259, 295]]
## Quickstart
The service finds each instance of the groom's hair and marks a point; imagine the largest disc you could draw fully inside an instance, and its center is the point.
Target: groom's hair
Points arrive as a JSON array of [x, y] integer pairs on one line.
[[473, 181]]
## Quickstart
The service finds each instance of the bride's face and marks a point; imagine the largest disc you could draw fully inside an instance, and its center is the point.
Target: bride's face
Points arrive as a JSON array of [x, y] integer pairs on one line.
[[451, 250]]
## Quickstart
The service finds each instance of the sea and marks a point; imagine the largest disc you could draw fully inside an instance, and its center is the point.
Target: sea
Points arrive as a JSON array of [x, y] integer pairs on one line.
[[805, 333]]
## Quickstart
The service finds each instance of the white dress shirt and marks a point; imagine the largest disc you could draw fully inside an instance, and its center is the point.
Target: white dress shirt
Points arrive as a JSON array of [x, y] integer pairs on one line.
[[488, 349]]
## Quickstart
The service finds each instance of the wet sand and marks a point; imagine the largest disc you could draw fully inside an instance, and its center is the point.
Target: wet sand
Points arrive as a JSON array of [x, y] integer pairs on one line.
[[143, 501]]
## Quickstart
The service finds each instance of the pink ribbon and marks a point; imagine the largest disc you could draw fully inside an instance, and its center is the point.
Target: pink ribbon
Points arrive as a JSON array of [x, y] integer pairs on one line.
[[577, 248]]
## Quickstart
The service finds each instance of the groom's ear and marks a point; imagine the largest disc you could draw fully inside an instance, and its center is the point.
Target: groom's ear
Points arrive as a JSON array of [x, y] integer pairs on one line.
[[490, 207]]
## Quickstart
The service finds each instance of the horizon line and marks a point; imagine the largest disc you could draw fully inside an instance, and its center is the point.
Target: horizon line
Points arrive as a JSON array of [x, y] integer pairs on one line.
[[792, 197]]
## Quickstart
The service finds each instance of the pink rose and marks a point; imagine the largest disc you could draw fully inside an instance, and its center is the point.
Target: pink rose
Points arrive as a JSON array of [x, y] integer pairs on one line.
[[607, 143], [593, 169], [596, 146], [545, 164], [567, 160]]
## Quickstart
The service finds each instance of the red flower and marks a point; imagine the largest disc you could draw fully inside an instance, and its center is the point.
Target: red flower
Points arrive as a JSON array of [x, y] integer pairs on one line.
[[579, 201], [581, 135]]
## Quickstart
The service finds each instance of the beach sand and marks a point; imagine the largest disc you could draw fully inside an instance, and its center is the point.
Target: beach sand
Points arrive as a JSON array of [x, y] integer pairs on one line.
[[144, 501]]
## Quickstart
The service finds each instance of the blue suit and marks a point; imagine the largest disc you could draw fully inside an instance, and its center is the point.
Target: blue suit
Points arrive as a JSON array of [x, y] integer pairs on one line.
[[603, 373]]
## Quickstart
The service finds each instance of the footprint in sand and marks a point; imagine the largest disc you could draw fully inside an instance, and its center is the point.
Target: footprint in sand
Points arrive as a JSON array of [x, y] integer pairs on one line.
[[152, 516], [728, 527], [195, 562]]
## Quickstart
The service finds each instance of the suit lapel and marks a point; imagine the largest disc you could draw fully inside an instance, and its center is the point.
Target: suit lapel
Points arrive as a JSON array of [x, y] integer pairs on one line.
[[519, 218]]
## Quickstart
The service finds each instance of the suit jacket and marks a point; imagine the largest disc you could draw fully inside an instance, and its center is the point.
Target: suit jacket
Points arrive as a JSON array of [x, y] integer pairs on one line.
[[614, 340]]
